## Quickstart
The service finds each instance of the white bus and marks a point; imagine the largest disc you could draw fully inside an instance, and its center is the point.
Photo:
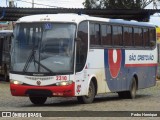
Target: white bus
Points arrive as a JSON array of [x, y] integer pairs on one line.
[[78, 55]]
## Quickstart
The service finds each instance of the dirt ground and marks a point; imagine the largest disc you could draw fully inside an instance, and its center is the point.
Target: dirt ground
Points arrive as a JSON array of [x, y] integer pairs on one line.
[[146, 100]]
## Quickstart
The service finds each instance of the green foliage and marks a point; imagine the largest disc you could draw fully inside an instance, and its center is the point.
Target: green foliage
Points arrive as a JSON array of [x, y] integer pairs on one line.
[[87, 4], [93, 4]]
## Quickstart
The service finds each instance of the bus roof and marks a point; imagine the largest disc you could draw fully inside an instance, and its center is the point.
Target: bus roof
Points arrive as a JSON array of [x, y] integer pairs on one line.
[[72, 17]]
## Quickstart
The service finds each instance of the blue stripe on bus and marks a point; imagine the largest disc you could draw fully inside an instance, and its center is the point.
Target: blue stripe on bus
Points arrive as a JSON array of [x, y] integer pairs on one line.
[[146, 77]]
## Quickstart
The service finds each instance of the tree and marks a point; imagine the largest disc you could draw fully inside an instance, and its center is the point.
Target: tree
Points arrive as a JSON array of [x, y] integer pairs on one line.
[[93, 4], [117, 4]]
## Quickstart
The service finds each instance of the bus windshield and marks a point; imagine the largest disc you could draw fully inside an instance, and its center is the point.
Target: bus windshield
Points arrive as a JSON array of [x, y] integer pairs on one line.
[[43, 47]]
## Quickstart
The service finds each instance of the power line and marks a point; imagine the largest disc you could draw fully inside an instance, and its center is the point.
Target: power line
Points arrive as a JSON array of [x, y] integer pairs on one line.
[[60, 1], [38, 4], [68, 3], [55, 2]]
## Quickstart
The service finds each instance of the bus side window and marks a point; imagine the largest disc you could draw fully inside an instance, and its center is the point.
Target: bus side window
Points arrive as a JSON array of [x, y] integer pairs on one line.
[[152, 37], [138, 41], [146, 37], [117, 35], [95, 38], [82, 46], [97, 34], [128, 39], [106, 35]]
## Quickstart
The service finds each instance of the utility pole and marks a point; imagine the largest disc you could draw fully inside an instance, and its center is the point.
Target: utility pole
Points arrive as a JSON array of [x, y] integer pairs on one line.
[[32, 3], [11, 3], [10, 25], [154, 4]]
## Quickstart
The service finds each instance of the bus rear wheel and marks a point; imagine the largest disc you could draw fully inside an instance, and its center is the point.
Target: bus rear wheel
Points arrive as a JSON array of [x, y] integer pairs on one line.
[[131, 94], [133, 88], [38, 100], [90, 97]]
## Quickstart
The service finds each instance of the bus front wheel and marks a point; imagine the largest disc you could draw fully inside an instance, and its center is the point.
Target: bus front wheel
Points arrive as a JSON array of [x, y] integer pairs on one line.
[[90, 97], [38, 100]]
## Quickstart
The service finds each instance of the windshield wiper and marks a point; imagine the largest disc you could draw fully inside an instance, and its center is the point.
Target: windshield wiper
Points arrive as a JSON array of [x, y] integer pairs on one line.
[[32, 56], [43, 66], [27, 64]]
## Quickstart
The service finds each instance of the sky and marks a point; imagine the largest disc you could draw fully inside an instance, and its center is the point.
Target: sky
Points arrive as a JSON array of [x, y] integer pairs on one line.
[[46, 3], [155, 19]]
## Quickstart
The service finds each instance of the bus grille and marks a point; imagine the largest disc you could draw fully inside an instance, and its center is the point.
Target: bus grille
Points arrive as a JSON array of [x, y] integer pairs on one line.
[[38, 93]]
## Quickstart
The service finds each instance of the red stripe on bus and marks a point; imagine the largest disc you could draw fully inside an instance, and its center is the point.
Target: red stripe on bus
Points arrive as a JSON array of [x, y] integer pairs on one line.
[[141, 65]]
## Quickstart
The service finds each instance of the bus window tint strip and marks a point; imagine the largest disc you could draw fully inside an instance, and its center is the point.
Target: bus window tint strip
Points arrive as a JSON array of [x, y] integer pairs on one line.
[[109, 35]]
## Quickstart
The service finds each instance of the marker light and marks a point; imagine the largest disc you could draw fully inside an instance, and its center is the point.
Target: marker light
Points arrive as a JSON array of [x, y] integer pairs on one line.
[[16, 82], [64, 83]]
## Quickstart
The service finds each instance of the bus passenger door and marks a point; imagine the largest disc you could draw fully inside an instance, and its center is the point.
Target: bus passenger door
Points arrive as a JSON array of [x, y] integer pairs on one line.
[[81, 57]]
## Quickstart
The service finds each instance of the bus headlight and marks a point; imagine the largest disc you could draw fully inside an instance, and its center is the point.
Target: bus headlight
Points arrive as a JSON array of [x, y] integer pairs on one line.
[[16, 82], [63, 83]]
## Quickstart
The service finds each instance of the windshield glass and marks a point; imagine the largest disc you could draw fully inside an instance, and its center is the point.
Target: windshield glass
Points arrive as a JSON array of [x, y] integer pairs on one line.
[[43, 47]]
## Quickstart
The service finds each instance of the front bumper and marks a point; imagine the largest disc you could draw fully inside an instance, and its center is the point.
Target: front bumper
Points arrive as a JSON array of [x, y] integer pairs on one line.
[[48, 91]]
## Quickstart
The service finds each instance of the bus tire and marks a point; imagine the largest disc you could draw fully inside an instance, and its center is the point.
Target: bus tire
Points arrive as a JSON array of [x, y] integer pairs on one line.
[[90, 97], [38, 100], [131, 94]]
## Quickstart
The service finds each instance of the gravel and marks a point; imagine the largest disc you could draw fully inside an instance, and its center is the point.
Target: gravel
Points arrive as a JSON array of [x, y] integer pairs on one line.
[[146, 100]]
